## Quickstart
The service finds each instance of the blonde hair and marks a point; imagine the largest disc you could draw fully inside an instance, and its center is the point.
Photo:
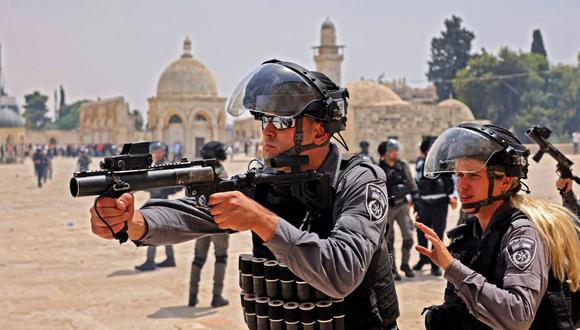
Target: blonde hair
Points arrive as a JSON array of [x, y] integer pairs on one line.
[[559, 229]]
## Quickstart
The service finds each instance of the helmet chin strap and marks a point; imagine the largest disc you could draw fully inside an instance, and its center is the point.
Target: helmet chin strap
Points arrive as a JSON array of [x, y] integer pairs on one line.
[[291, 157], [475, 206]]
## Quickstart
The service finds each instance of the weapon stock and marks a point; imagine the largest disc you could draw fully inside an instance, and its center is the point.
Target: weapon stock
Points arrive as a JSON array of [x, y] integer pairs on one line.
[[540, 136]]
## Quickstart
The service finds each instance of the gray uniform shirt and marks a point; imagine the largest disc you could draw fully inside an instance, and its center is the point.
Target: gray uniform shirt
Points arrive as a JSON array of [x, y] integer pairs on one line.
[[335, 265], [525, 280]]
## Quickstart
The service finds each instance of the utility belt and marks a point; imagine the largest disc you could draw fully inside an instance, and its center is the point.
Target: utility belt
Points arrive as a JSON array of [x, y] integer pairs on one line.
[[451, 317], [273, 298]]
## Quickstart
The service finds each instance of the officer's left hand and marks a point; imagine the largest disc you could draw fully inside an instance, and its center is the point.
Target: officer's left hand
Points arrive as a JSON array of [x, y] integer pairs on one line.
[[234, 210], [453, 202], [439, 253], [564, 185]]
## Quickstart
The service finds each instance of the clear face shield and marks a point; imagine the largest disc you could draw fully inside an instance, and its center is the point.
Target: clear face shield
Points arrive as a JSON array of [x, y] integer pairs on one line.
[[273, 90], [459, 150]]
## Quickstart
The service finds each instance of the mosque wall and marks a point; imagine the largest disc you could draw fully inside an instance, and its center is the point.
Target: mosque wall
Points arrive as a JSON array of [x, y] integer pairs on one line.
[[407, 122]]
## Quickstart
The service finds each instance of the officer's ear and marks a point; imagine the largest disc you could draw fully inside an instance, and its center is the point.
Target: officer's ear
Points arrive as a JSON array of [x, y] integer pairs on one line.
[[506, 183], [320, 135]]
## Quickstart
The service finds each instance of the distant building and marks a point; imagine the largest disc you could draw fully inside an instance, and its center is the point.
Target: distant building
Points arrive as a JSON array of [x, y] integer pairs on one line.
[[106, 121], [427, 95], [187, 108], [12, 130]]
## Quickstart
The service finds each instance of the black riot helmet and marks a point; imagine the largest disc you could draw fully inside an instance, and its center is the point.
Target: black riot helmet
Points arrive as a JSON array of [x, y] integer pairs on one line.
[[390, 144], [213, 150], [157, 145], [488, 145], [426, 143], [287, 90]]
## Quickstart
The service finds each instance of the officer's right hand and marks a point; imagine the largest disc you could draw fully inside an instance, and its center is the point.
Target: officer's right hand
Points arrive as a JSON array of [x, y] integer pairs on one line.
[[439, 253], [115, 211]]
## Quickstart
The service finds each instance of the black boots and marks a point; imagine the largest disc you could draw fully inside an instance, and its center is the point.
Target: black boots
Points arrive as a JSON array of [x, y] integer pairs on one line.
[[419, 265], [192, 300], [407, 270], [147, 266], [150, 265], [436, 271], [169, 262], [396, 275], [218, 301]]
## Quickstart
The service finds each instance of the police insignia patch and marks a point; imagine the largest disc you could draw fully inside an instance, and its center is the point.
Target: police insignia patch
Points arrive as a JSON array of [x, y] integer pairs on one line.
[[521, 251], [376, 202]]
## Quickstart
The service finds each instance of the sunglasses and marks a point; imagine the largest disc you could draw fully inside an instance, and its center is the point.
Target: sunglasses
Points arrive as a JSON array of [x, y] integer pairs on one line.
[[278, 122]]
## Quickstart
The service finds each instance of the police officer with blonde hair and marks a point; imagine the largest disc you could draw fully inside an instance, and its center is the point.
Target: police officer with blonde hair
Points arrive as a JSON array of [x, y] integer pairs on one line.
[[515, 264]]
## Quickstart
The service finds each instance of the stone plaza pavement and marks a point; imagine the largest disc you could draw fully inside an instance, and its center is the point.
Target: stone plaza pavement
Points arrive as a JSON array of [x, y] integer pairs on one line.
[[54, 274]]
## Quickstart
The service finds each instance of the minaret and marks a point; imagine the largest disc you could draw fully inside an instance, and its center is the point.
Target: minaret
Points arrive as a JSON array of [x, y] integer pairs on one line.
[[186, 48], [2, 92], [328, 56]]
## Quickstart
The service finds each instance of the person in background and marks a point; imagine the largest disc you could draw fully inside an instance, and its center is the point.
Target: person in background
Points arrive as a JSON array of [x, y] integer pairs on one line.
[[403, 190], [211, 150], [40, 163], [435, 196], [364, 152], [159, 152], [84, 160]]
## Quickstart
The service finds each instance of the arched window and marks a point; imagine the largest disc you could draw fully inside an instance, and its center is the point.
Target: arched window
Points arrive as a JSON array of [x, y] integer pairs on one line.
[[201, 118], [175, 119]]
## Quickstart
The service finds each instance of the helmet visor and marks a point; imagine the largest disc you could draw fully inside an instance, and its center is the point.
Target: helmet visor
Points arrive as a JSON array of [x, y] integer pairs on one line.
[[456, 144], [273, 90]]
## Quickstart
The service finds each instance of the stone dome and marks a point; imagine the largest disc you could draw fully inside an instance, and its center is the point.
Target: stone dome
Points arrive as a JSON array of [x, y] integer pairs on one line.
[[462, 109], [327, 24], [368, 92], [186, 77], [9, 118]]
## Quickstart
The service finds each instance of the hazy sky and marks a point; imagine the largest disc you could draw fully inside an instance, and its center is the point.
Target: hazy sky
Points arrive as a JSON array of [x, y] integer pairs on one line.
[[111, 48]]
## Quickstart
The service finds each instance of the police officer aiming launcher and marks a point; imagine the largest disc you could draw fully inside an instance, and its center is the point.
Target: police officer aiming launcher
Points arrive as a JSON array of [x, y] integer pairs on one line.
[[331, 261]]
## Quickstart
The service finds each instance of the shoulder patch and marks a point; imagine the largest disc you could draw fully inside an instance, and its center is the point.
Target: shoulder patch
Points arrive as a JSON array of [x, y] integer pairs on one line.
[[521, 251], [376, 202]]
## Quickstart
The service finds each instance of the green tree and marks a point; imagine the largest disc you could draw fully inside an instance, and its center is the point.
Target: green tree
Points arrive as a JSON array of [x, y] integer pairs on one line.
[[68, 117], [496, 87], [35, 110], [449, 53], [515, 90], [62, 98], [538, 43]]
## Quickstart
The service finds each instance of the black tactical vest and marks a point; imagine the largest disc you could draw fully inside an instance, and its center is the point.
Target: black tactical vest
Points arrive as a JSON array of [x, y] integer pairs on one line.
[[373, 304], [440, 185], [397, 184], [484, 257]]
